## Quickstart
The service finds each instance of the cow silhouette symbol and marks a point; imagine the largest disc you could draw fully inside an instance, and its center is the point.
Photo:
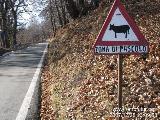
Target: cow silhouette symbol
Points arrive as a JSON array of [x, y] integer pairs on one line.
[[120, 29]]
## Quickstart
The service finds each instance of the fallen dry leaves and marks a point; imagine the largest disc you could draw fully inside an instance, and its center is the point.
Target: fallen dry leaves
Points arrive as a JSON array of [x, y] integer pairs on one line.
[[77, 85]]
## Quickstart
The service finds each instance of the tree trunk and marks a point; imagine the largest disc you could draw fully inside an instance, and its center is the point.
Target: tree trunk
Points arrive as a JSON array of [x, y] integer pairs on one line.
[[5, 38], [51, 15], [63, 12], [15, 29], [59, 14], [82, 7], [72, 9], [95, 3]]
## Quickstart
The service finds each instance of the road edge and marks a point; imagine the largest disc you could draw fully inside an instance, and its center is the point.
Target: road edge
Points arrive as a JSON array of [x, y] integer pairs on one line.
[[22, 114]]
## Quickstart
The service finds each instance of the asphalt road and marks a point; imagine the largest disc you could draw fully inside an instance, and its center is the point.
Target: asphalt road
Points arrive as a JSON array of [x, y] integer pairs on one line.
[[16, 73]]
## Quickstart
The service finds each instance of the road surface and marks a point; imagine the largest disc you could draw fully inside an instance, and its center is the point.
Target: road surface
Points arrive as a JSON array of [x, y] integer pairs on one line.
[[17, 71]]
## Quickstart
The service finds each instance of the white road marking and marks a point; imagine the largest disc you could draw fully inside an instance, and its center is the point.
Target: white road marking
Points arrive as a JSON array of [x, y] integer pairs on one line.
[[22, 114]]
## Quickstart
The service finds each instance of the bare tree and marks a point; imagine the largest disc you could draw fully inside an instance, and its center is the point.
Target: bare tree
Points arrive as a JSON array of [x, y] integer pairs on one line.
[[15, 6], [34, 33], [11, 10], [4, 9], [72, 8], [63, 9], [58, 13]]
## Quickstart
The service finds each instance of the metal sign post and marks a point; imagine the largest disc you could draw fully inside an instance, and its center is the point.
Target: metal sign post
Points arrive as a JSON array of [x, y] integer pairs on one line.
[[120, 73]]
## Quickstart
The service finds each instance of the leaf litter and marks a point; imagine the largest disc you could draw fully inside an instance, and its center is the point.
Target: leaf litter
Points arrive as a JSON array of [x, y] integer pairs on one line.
[[77, 85]]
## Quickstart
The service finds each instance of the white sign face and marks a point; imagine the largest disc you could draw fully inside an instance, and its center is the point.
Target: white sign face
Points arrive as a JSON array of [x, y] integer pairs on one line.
[[121, 49], [120, 34], [119, 29]]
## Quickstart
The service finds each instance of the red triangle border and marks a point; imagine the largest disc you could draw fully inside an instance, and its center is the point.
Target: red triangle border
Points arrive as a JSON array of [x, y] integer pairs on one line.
[[141, 38]]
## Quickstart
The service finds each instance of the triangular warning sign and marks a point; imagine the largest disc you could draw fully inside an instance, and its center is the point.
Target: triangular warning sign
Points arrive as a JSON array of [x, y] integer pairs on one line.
[[120, 34]]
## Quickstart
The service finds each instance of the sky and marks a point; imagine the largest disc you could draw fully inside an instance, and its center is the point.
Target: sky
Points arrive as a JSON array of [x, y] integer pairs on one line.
[[33, 15]]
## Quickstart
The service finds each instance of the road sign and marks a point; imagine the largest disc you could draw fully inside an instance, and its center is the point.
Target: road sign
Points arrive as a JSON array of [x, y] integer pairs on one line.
[[120, 34]]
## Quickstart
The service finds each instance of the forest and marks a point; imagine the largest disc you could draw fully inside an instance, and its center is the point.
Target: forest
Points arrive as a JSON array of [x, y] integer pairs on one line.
[[55, 14]]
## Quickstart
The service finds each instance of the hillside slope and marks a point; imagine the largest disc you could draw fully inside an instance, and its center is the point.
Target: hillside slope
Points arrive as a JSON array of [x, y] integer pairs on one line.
[[77, 85]]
